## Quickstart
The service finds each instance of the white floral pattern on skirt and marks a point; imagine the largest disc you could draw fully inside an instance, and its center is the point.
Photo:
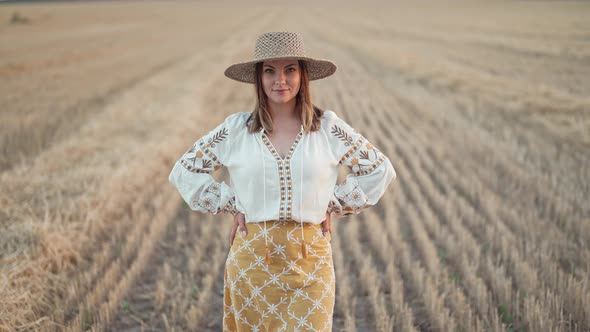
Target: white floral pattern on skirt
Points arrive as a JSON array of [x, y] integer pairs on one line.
[[292, 293]]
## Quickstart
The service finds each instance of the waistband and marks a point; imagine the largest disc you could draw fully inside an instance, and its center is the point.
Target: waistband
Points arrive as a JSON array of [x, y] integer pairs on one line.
[[284, 221]]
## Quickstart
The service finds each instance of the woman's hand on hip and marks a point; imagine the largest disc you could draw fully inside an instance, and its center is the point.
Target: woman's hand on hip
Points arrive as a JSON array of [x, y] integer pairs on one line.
[[239, 225], [327, 224]]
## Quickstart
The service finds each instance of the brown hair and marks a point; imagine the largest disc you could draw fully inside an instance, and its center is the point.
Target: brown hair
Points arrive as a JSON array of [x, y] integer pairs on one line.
[[309, 113]]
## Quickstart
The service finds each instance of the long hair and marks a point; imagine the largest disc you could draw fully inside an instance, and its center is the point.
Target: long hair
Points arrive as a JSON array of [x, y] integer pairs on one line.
[[310, 114]]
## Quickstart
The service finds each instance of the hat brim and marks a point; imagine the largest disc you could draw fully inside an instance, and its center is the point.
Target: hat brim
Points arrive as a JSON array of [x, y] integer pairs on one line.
[[245, 71]]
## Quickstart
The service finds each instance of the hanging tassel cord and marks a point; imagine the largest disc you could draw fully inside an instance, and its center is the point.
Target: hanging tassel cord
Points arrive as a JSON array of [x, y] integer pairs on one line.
[[267, 258], [303, 244]]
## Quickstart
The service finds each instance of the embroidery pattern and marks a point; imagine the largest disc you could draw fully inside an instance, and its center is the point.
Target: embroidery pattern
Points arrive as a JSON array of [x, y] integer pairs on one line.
[[217, 137], [308, 285], [209, 198], [332, 207], [352, 150], [203, 155], [342, 135], [209, 201], [231, 207], [366, 162], [284, 167], [362, 158], [350, 196], [201, 159]]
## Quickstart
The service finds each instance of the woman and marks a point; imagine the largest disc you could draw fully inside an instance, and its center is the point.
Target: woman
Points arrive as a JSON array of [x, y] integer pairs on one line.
[[282, 159]]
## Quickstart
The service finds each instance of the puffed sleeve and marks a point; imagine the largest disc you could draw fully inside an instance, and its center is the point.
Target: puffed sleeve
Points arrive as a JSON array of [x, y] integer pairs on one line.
[[191, 174], [371, 170]]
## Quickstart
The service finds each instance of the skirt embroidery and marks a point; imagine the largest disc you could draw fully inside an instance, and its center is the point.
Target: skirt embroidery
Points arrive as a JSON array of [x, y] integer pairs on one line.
[[292, 293]]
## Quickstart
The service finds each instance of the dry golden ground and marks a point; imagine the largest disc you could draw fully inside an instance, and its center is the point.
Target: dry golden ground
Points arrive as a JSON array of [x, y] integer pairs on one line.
[[482, 107]]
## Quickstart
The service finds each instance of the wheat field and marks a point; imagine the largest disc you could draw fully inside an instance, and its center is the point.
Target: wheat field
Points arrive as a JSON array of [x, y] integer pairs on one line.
[[482, 107]]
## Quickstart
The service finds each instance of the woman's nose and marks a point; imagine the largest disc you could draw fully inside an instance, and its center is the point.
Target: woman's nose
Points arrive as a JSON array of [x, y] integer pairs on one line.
[[281, 77]]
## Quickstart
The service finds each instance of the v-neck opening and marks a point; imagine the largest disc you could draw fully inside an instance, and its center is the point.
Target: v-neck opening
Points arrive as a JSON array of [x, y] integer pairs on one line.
[[274, 151]]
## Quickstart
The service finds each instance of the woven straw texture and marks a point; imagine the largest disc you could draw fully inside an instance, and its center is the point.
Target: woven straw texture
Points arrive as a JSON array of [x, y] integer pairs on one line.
[[279, 45]]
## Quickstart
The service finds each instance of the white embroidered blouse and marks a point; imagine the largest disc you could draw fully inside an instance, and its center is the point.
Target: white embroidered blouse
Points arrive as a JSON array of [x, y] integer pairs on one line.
[[264, 186]]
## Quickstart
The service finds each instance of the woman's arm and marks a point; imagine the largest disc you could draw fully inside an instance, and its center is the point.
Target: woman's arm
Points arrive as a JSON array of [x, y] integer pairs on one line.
[[191, 174], [371, 170]]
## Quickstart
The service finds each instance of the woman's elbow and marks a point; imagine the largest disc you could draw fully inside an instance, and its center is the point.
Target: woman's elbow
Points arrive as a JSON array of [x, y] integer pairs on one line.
[[391, 174]]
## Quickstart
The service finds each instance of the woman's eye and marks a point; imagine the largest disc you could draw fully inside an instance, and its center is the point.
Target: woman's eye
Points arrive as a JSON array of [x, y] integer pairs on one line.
[[268, 70], [291, 69]]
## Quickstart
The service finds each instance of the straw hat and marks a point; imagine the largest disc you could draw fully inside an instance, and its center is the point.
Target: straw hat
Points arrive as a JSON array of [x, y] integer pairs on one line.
[[279, 45]]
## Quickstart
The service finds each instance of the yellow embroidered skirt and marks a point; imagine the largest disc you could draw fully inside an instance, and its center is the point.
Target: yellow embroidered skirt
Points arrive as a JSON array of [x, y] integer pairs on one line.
[[290, 293]]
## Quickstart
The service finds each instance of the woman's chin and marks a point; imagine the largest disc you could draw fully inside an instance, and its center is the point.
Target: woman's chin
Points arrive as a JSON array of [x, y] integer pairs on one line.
[[280, 101]]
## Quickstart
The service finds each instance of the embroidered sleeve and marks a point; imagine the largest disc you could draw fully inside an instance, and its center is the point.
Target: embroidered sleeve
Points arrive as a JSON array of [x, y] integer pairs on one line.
[[191, 174], [371, 170]]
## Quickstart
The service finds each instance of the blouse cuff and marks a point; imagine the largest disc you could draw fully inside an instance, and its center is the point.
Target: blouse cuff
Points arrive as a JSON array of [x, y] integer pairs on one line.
[[233, 206], [218, 197], [348, 198]]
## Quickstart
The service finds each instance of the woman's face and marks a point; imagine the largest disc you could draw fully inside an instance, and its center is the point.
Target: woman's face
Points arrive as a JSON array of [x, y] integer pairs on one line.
[[281, 80]]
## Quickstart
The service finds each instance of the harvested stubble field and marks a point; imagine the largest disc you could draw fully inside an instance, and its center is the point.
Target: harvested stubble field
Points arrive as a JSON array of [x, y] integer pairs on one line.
[[482, 107]]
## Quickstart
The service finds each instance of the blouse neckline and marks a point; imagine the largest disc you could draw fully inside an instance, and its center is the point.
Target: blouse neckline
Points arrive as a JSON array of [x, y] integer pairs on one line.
[[274, 151]]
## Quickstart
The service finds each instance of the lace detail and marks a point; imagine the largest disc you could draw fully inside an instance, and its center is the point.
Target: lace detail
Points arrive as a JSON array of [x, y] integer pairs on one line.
[[350, 197], [211, 200]]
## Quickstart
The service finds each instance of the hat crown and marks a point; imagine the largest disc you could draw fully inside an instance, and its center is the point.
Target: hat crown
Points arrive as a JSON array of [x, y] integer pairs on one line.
[[279, 44]]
